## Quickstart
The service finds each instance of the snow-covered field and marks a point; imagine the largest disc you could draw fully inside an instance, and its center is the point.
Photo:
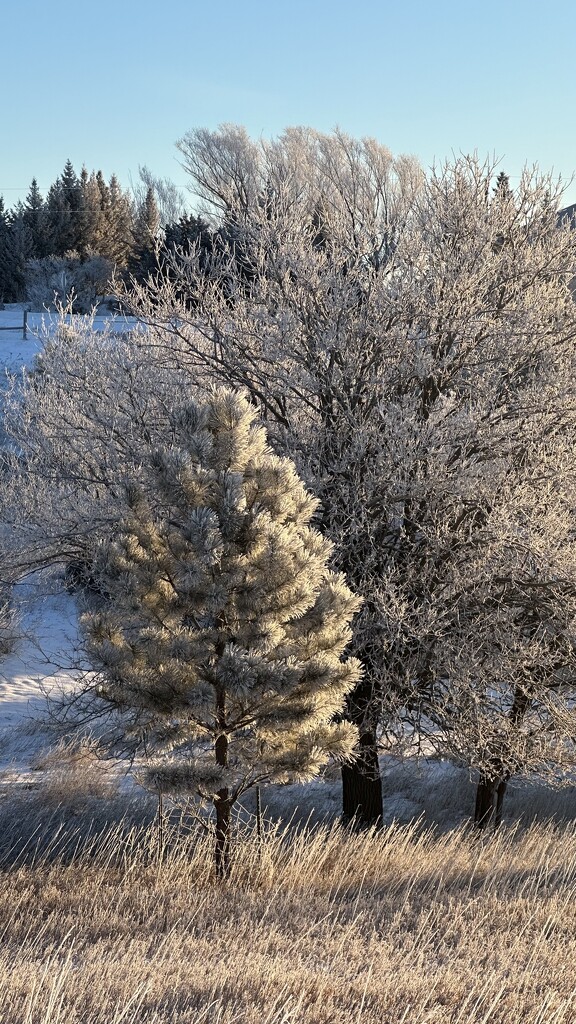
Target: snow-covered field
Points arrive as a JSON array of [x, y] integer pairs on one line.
[[15, 352]]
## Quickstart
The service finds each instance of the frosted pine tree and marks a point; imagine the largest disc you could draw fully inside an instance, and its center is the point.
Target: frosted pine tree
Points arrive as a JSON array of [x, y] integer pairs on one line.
[[221, 644]]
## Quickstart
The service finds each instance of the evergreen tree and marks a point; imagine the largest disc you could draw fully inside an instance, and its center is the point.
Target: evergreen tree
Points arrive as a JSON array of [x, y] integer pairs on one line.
[[5, 266], [142, 261], [167, 196], [22, 245], [93, 221], [148, 220], [189, 235], [119, 237], [221, 643], [64, 213], [502, 188], [104, 193], [14, 250], [35, 220]]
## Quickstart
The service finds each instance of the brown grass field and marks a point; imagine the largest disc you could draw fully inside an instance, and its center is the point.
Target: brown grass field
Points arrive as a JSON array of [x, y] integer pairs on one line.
[[103, 923]]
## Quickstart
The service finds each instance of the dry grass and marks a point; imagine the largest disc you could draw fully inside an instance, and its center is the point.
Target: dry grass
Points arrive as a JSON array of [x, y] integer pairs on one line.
[[72, 771], [100, 926]]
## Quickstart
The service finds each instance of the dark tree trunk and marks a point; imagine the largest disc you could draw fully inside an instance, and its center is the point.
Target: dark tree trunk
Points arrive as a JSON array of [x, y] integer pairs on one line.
[[490, 794], [486, 797], [362, 785], [222, 852], [492, 787], [500, 794], [223, 802]]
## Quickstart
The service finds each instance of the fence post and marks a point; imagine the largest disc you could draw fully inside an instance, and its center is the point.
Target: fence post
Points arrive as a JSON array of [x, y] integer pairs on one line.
[[25, 325]]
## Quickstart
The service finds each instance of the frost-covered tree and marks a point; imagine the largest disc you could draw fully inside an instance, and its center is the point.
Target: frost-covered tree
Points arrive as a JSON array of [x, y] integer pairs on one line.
[[93, 219], [411, 342], [220, 644], [118, 242], [68, 280], [147, 222], [168, 197]]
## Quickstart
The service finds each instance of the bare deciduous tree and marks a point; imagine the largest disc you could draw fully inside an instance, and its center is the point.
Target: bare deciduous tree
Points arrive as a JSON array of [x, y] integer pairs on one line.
[[411, 342]]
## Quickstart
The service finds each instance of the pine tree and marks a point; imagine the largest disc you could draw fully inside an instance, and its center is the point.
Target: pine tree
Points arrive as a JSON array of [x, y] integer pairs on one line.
[[221, 643]]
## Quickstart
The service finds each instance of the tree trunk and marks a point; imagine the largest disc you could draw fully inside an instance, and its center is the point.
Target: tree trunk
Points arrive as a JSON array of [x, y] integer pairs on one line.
[[500, 794], [362, 785], [490, 794], [485, 807], [492, 788], [222, 803], [222, 852], [361, 782]]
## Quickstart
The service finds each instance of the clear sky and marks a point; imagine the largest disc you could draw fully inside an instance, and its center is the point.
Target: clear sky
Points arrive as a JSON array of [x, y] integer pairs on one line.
[[114, 83]]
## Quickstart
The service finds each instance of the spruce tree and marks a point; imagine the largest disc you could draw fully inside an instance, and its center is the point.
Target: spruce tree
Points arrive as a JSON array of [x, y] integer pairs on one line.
[[14, 250], [64, 213], [221, 642], [35, 220], [142, 261], [502, 188], [119, 238], [92, 221], [5, 257]]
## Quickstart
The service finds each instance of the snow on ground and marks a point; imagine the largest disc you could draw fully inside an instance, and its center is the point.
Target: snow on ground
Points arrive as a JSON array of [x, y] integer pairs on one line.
[[16, 352], [45, 657], [46, 615]]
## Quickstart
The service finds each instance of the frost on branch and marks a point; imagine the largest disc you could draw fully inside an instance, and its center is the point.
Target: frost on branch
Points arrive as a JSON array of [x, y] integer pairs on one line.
[[410, 340]]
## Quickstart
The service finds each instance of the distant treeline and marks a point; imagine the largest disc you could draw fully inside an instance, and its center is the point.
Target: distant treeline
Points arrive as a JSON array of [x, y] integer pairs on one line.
[[69, 244]]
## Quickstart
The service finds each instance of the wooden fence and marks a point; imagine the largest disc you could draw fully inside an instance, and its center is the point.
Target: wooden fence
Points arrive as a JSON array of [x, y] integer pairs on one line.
[[14, 327]]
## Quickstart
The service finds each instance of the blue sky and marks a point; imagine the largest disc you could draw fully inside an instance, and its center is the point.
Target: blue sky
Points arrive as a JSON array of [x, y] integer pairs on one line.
[[115, 84]]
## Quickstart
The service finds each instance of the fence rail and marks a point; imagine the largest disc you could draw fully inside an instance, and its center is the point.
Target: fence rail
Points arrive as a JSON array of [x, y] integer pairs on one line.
[[14, 327]]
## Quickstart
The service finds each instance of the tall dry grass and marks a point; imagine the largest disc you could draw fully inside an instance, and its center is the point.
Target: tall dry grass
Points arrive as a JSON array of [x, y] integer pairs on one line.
[[103, 925]]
